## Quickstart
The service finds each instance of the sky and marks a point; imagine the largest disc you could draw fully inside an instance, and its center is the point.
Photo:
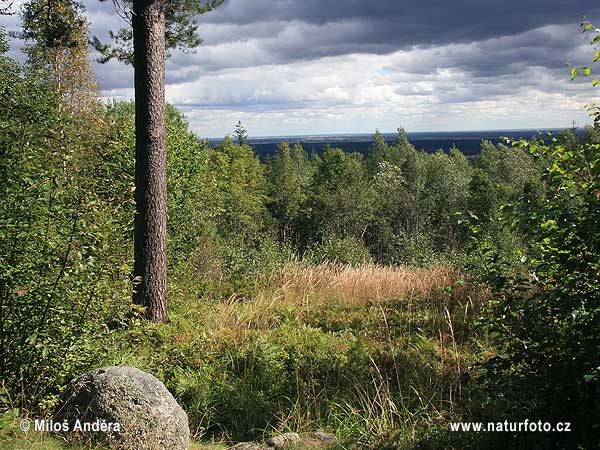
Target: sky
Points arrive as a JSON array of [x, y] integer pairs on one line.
[[290, 67]]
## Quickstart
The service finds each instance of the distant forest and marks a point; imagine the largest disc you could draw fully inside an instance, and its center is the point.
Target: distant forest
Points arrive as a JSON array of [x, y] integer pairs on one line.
[[468, 142]]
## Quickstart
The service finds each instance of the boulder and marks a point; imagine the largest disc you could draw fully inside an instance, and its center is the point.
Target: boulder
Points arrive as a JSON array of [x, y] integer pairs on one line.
[[283, 440], [147, 415], [248, 446], [319, 439]]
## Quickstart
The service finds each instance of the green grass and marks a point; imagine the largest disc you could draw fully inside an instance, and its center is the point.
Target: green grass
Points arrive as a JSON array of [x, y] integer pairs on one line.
[[373, 354], [13, 438]]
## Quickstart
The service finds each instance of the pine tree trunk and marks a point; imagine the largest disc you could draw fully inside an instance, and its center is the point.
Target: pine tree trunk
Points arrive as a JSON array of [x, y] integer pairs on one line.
[[150, 265]]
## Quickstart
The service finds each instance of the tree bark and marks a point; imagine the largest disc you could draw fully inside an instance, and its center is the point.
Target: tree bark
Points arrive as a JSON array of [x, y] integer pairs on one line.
[[150, 265]]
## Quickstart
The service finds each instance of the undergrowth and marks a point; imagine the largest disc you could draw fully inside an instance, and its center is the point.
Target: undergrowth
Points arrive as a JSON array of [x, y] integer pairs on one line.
[[374, 354]]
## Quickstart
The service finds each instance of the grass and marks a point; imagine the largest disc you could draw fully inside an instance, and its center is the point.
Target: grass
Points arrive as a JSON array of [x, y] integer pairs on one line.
[[374, 354], [12, 438], [300, 293]]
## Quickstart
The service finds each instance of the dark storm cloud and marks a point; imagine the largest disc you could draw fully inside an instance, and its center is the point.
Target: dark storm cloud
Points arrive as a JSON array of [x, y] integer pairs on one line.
[[317, 55], [550, 47], [506, 35], [388, 25], [521, 13]]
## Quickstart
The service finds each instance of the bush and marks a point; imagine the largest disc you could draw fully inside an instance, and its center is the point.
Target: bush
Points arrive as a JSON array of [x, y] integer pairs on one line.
[[547, 323], [347, 250], [60, 252]]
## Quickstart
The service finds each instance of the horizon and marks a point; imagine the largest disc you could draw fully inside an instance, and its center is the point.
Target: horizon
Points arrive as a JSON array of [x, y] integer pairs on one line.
[[387, 133]]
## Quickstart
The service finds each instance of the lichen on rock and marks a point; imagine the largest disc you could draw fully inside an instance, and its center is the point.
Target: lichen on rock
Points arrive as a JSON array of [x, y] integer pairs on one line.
[[149, 417]]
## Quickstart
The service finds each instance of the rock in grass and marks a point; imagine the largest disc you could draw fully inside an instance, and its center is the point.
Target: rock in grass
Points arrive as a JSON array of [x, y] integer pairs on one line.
[[323, 438], [283, 440], [147, 415], [248, 446]]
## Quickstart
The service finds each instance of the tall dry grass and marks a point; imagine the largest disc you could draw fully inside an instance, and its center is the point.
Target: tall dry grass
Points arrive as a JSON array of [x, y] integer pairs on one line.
[[297, 290], [413, 325], [351, 284]]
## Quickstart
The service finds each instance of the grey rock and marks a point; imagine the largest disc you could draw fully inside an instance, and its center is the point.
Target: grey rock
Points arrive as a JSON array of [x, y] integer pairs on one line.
[[283, 440], [325, 438], [149, 418], [317, 439], [248, 446]]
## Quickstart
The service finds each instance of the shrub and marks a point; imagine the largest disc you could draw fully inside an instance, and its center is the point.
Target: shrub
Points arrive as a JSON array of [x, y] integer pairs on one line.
[[548, 323], [60, 255], [347, 250]]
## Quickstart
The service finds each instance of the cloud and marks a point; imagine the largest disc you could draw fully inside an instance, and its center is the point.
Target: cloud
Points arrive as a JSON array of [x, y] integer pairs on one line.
[[306, 66], [349, 26], [384, 91]]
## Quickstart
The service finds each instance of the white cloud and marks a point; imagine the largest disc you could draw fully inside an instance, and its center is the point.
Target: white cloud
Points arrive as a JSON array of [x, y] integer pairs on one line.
[[358, 93]]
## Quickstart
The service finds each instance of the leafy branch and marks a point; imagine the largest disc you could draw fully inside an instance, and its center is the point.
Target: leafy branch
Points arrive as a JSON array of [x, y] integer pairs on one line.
[[587, 26]]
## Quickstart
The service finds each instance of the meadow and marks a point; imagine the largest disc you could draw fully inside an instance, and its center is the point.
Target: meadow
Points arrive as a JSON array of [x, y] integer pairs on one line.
[[372, 353]]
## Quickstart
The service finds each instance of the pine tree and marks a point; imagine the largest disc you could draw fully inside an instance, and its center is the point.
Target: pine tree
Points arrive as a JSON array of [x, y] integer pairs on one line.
[[156, 27], [240, 133]]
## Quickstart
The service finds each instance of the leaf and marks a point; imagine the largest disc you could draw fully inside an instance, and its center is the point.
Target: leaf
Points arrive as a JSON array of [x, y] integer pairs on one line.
[[586, 70], [574, 73]]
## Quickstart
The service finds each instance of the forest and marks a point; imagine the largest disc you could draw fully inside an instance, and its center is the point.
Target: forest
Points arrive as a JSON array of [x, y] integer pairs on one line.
[[379, 297]]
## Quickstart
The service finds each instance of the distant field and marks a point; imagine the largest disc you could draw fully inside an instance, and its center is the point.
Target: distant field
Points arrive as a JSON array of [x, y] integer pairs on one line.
[[466, 141]]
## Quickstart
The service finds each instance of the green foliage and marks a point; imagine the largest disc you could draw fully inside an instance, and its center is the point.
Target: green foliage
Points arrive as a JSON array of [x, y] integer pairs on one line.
[[241, 192], [287, 189], [502, 175], [402, 204], [380, 152], [239, 270], [348, 251], [52, 24], [447, 187], [417, 200], [56, 244], [341, 200], [547, 320], [190, 198]]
